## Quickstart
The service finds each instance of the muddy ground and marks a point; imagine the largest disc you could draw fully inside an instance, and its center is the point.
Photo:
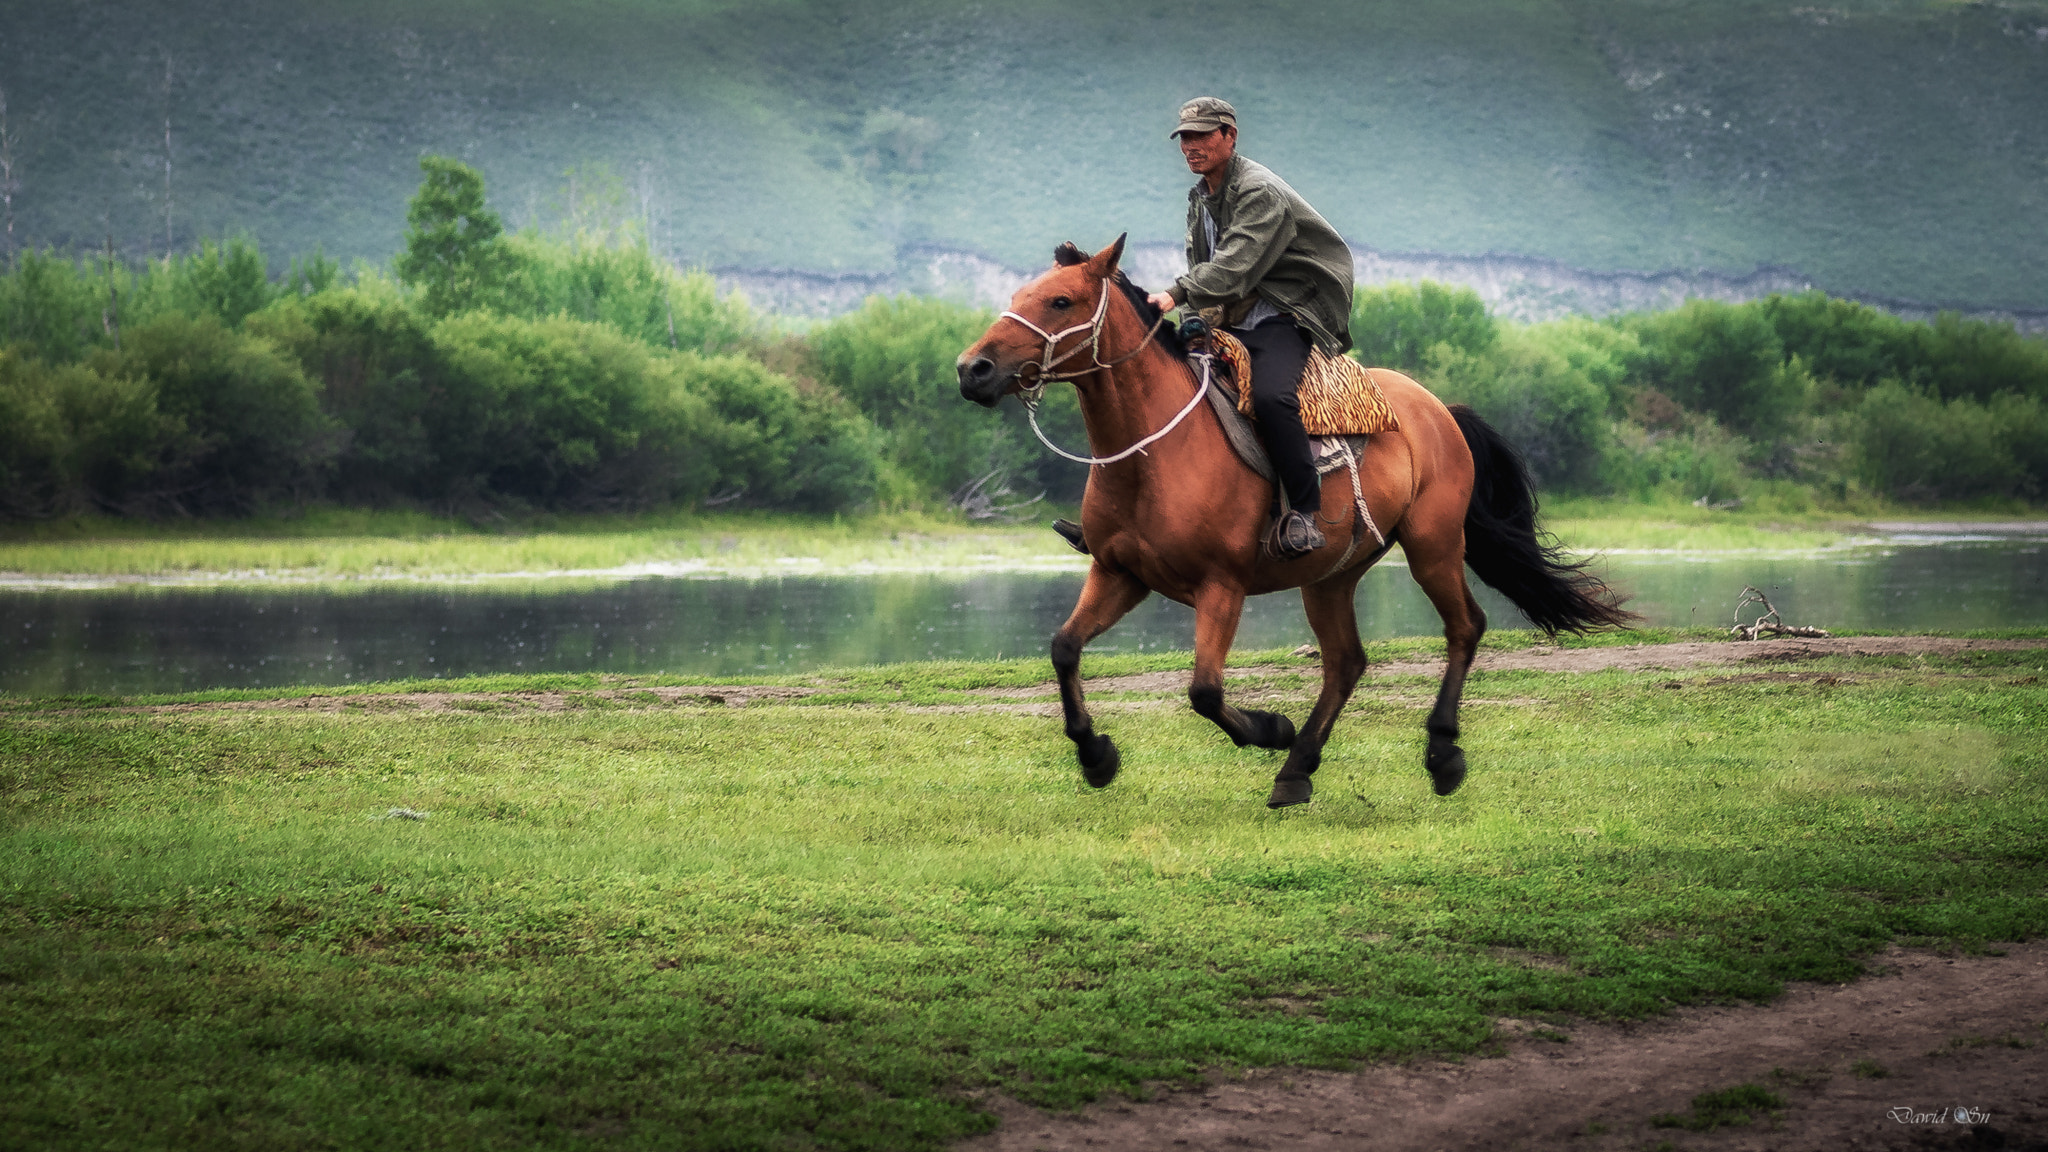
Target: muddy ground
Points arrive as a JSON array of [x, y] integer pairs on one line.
[[1929, 1051]]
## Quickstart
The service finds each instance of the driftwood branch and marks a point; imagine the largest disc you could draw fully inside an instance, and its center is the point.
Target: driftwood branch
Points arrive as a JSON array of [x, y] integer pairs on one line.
[[981, 499], [1770, 623]]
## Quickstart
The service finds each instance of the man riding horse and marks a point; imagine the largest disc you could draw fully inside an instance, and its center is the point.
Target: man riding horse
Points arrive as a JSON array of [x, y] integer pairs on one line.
[[1264, 264]]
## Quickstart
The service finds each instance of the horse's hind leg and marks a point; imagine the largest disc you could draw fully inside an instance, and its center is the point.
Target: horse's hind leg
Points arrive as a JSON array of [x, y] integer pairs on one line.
[[1105, 597], [1335, 620], [1437, 562], [1217, 610]]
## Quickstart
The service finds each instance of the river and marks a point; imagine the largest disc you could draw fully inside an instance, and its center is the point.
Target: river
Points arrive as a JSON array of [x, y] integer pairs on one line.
[[179, 639]]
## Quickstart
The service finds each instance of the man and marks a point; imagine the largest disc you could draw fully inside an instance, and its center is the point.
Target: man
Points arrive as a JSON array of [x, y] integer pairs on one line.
[[1281, 277]]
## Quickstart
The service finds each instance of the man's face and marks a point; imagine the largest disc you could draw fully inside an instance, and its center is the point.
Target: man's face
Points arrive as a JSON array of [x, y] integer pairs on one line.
[[1208, 152]]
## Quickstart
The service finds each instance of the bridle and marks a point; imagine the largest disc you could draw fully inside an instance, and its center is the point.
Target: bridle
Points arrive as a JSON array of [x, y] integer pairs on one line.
[[1030, 393]]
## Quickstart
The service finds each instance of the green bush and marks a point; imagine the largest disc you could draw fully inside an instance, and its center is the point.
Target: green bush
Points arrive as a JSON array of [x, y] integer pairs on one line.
[[381, 377], [50, 306], [626, 286], [1911, 444], [1554, 412], [894, 359], [1397, 325], [228, 281], [779, 444], [254, 432], [1722, 359], [1978, 359], [76, 440], [539, 411], [1698, 462], [1858, 346]]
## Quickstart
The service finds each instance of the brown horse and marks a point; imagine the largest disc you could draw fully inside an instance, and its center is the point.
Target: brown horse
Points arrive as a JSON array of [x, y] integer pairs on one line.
[[1183, 518]]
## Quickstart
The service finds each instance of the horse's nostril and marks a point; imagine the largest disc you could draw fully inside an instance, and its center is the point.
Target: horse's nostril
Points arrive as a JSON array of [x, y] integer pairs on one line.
[[982, 368]]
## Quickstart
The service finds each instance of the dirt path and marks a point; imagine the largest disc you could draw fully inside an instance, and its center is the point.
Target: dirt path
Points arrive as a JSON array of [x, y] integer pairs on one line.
[[1903, 1059]]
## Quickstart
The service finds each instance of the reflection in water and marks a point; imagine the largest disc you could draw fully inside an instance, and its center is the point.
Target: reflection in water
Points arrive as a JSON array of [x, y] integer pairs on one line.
[[174, 640]]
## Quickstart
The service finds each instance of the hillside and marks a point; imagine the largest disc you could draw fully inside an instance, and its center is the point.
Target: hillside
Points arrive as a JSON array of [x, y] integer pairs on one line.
[[1876, 147]]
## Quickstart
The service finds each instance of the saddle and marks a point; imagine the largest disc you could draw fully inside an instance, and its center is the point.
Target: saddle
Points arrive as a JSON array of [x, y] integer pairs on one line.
[[1338, 395], [1341, 408]]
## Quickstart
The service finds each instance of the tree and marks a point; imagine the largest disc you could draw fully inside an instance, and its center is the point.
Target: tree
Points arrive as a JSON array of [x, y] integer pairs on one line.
[[8, 183], [454, 248]]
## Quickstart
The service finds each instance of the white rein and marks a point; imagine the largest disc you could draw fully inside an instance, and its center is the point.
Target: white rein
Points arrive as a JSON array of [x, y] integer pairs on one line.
[[1047, 362]]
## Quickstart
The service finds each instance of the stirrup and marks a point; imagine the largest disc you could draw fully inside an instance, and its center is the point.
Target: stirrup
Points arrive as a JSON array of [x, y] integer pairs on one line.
[[1071, 533], [1293, 535]]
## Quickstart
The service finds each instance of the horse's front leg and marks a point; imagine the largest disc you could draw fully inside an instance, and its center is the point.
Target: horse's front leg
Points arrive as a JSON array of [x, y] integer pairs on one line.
[[1105, 598], [1217, 609]]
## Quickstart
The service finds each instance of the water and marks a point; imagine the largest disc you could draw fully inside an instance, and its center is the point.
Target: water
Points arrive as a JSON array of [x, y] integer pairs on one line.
[[139, 640]]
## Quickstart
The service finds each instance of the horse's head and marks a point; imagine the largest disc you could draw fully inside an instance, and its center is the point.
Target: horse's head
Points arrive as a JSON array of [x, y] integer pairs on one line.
[[1060, 311]]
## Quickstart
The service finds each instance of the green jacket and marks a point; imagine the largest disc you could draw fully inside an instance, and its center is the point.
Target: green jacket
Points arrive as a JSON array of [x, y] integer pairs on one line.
[[1269, 242]]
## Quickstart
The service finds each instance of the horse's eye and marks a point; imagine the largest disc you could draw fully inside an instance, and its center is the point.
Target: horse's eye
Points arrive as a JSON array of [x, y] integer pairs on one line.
[[1062, 302]]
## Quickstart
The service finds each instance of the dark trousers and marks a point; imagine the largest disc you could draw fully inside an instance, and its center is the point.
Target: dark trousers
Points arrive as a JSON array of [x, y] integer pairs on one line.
[[1279, 353]]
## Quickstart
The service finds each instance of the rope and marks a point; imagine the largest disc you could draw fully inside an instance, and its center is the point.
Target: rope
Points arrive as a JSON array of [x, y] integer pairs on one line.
[[1031, 414], [1364, 513]]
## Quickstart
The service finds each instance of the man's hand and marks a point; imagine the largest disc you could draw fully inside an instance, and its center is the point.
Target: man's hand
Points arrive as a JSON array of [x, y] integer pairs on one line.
[[1162, 300]]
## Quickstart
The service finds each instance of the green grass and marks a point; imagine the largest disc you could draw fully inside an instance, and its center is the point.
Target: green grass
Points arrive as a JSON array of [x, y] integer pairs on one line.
[[830, 924], [340, 545], [1729, 1107], [344, 544]]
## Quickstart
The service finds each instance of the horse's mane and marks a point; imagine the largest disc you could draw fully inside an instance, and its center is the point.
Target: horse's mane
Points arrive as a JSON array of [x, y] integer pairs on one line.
[[1067, 255]]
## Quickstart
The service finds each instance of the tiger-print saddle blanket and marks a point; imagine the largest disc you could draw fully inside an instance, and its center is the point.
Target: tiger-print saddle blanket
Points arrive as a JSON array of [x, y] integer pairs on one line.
[[1339, 396]]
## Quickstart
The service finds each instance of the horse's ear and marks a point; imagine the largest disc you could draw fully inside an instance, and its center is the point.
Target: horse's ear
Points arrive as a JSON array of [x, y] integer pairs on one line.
[[1103, 263], [1067, 255]]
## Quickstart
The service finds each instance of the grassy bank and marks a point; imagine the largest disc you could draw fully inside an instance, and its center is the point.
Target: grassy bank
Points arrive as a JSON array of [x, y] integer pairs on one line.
[[347, 544], [339, 545], [831, 922]]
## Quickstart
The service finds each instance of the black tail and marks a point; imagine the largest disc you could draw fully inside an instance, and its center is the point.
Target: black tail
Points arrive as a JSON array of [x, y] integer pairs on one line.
[[1503, 546]]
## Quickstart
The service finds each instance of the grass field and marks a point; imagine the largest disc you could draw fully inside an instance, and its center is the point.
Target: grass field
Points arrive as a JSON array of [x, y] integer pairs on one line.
[[348, 544], [834, 922]]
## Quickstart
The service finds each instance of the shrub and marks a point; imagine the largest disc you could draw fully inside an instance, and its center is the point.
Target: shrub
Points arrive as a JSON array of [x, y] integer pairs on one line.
[[626, 286], [227, 281], [73, 440], [1695, 461], [894, 359], [1397, 325], [253, 430], [1910, 444], [51, 307], [780, 444], [1554, 413], [1724, 359], [380, 376], [1858, 346]]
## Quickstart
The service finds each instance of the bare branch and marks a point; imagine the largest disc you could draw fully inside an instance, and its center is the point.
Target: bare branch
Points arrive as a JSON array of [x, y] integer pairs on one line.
[[1770, 622]]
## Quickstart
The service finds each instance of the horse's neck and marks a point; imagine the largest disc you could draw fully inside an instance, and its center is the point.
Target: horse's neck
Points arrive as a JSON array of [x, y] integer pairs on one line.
[[1125, 404]]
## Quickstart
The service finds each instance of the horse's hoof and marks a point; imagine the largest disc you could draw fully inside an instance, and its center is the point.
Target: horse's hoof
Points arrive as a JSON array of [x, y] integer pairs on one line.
[[1446, 763], [1275, 731], [1099, 761], [1289, 791]]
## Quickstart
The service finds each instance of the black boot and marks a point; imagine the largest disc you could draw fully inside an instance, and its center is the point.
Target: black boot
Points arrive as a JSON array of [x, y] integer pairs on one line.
[[1071, 533], [1294, 535]]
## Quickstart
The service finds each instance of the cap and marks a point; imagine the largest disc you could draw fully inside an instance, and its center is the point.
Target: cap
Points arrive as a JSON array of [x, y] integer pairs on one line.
[[1205, 114]]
